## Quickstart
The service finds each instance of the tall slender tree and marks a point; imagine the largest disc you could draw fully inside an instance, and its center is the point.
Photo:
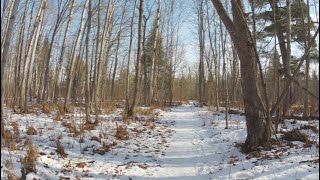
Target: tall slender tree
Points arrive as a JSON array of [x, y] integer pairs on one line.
[[139, 55], [74, 55]]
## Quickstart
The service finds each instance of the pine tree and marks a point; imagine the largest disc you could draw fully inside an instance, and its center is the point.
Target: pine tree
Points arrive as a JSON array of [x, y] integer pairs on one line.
[[160, 64]]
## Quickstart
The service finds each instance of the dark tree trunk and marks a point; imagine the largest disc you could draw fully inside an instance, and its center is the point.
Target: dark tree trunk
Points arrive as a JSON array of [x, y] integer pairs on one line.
[[258, 132]]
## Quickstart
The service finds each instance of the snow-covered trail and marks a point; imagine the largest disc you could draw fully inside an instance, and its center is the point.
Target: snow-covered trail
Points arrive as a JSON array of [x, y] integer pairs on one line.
[[192, 151], [185, 156], [185, 143]]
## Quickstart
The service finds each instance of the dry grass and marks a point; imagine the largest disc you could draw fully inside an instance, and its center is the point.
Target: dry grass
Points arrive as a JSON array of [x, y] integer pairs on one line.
[[58, 116], [108, 108], [72, 128], [308, 144], [95, 138], [89, 126], [145, 112], [61, 109], [149, 124], [295, 135], [68, 109], [9, 140], [27, 142], [10, 170], [122, 132], [16, 132], [102, 150], [29, 161], [296, 109], [31, 130], [60, 149], [156, 106], [48, 108]]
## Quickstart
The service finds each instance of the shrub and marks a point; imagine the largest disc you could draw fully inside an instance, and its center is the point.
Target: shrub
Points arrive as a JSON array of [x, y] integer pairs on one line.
[[10, 170], [31, 130], [48, 108], [295, 135], [72, 128], [16, 132], [122, 132], [29, 161], [8, 137]]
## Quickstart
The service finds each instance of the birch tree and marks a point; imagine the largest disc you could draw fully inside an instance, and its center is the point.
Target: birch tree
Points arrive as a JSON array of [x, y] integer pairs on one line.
[[6, 46], [74, 55], [29, 62]]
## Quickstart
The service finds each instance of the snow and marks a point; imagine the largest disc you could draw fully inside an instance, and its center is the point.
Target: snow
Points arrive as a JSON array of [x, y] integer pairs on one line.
[[186, 142]]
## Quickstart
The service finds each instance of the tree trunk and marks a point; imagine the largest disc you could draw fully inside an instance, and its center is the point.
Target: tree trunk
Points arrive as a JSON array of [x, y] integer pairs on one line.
[[287, 65], [74, 56], [151, 83], [97, 65], [307, 41], [6, 46], [58, 22], [106, 35], [20, 52], [58, 77], [258, 134], [117, 52], [137, 78], [128, 63], [28, 66], [87, 70]]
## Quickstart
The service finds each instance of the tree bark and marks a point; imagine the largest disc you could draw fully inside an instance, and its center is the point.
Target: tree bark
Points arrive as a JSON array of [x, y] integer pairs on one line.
[[117, 51], [74, 56], [307, 41], [30, 55], [128, 63], [58, 77], [61, 11], [87, 70], [151, 83], [137, 77], [258, 134], [6, 46], [19, 52]]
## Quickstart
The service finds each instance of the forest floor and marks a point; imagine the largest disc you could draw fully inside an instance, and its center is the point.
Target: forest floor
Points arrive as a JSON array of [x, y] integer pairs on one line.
[[184, 142]]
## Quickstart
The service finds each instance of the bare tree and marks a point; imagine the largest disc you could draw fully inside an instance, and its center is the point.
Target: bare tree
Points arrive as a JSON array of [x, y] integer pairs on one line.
[[87, 69], [307, 41], [20, 52], [151, 83], [97, 65], [62, 9], [6, 46], [287, 64], [57, 82], [129, 58], [74, 55], [117, 49], [30, 56], [258, 132], [139, 53]]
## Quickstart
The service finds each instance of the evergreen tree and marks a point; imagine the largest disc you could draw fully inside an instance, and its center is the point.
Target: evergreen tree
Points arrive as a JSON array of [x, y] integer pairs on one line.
[[161, 73]]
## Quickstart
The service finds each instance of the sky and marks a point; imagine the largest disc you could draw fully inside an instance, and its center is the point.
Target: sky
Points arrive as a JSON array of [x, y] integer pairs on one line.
[[188, 34]]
